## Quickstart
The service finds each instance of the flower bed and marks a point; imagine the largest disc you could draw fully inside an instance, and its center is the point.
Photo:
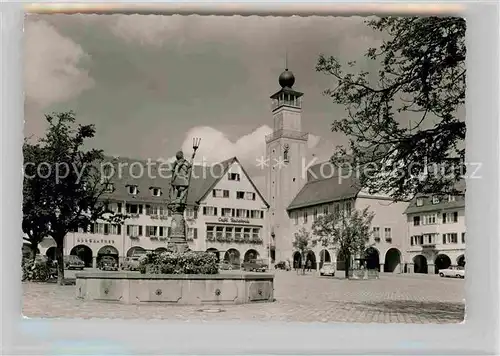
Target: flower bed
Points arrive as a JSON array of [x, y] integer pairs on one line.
[[191, 262]]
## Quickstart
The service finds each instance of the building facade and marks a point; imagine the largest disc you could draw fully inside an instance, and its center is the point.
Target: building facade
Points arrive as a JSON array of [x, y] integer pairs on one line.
[[297, 195], [226, 214], [436, 233]]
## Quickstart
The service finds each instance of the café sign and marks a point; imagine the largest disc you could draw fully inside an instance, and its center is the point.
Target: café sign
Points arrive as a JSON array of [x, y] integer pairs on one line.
[[95, 241], [234, 220]]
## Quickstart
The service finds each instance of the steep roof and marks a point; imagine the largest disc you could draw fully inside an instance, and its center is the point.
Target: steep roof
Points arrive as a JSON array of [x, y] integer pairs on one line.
[[147, 174], [320, 190], [428, 206]]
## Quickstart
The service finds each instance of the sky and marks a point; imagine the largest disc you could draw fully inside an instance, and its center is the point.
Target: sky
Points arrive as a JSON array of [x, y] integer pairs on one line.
[[151, 83]]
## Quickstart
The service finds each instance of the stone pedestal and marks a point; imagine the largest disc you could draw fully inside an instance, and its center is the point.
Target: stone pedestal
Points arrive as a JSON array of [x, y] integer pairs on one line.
[[177, 241]]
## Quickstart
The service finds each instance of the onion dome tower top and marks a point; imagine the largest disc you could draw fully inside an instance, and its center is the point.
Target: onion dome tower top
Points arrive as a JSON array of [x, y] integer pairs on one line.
[[286, 79]]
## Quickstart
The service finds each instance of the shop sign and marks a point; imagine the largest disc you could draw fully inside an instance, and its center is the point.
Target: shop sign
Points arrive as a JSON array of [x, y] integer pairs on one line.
[[95, 241], [234, 220]]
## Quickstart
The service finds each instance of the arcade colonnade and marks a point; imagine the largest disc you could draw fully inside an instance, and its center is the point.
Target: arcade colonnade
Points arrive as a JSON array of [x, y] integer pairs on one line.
[[431, 262]]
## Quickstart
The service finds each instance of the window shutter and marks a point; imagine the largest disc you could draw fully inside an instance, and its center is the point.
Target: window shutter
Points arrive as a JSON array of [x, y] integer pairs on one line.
[[195, 233], [215, 211], [147, 230], [128, 230], [140, 230], [195, 212], [140, 209], [204, 210], [148, 210], [106, 229], [118, 229], [262, 214], [169, 229]]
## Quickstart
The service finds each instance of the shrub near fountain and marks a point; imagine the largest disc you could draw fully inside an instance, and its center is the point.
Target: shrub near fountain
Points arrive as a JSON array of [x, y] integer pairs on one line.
[[176, 278]]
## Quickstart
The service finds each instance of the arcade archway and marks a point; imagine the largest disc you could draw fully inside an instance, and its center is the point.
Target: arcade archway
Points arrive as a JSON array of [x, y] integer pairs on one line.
[[311, 260], [251, 255], [82, 251], [215, 252], [392, 261], [372, 258], [419, 264], [51, 253], [341, 261], [324, 257], [232, 256], [161, 249], [461, 261], [107, 251], [442, 261], [297, 260], [135, 250]]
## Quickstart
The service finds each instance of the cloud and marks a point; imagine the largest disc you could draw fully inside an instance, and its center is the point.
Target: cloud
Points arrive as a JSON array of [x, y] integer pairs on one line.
[[52, 73]]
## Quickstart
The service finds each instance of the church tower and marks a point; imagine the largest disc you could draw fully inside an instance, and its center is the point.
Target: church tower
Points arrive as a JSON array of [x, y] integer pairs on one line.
[[286, 149]]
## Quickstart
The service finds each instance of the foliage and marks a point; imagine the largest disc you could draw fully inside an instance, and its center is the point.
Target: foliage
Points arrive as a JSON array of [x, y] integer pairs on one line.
[[191, 262], [34, 271], [71, 187], [348, 232], [422, 78], [302, 243]]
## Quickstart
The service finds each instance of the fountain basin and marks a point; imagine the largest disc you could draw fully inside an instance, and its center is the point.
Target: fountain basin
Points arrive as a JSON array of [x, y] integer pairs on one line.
[[137, 288]]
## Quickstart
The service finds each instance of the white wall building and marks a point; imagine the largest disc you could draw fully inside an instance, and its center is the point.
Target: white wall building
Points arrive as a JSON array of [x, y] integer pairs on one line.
[[436, 233], [226, 214], [296, 195]]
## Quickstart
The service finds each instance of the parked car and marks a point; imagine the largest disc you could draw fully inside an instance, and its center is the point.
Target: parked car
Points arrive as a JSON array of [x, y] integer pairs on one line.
[[452, 271], [73, 262], [327, 270], [131, 263], [225, 266], [256, 265], [282, 265], [108, 263]]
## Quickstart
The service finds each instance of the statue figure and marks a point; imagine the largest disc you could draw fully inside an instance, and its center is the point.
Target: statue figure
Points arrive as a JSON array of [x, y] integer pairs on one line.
[[180, 179]]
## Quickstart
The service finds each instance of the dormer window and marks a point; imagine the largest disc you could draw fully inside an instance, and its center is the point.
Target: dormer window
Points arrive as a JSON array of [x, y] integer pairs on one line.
[[109, 188], [420, 201], [156, 192], [435, 200], [132, 189], [234, 176]]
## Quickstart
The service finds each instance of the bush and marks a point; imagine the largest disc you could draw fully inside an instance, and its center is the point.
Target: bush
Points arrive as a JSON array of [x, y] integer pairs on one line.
[[34, 271], [179, 263]]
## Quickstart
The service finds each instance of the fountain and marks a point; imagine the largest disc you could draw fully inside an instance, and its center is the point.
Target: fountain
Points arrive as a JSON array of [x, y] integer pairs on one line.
[[191, 289]]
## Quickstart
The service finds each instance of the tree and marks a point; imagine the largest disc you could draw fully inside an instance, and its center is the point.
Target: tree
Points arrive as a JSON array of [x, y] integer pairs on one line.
[[35, 223], [348, 232], [421, 78], [72, 185], [301, 243]]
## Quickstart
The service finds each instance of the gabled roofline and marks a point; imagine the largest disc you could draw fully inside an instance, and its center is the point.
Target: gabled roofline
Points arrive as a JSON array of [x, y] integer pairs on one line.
[[229, 162]]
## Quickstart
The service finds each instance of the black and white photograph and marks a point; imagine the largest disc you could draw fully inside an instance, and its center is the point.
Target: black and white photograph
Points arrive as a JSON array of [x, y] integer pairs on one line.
[[245, 168]]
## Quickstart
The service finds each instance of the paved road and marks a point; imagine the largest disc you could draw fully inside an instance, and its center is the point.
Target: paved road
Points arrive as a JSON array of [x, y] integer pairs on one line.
[[303, 298]]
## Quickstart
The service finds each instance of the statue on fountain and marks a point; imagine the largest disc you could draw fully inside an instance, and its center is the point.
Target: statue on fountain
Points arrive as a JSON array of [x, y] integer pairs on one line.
[[180, 180]]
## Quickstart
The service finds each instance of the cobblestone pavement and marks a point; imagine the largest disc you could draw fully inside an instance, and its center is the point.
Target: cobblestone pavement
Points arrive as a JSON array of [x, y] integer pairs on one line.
[[299, 298]]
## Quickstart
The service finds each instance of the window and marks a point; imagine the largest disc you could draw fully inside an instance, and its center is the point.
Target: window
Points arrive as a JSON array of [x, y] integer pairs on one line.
[[416, 220], [315, 214], [220, 193], [463, 237], [241, 213], [411, 240], [226, 212], [246, 233], [262, 214], [209, 211], [133, 209], [285, 153], [132, 189], [451, 198], [151, 231], [347, 206], [134, 230], [240, 195], [304, 216], [234, 176], [255, 214], [250, 196], [219, 232], [435, 199], [109, 188], [444, 239], [296, 217], [455, 216], [156, 192], [210, 233], [237, 233], [454, 238], [118, 207], [189, 213], [325, 210], [429, 219], [255, 233], [229, 232], [420, 201], [376, 232], [388, 233]]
